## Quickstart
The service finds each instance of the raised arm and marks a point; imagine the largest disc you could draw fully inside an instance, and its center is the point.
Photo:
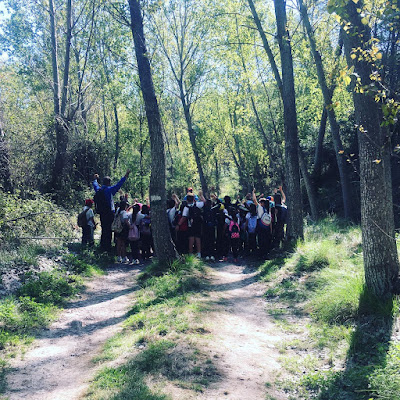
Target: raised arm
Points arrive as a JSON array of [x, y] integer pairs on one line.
[[95, 184], [201, 196], [254, 197], [176, 199], [283, 194]]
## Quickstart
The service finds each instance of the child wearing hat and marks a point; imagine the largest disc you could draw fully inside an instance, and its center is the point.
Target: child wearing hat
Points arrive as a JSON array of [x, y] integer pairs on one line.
[[88, 229]]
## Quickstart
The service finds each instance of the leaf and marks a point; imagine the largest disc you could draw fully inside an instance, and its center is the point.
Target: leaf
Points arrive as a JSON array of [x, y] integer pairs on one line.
[[377, 161], [347, 80], [364, 21], [353, 56], [379, 56], [341, 151]]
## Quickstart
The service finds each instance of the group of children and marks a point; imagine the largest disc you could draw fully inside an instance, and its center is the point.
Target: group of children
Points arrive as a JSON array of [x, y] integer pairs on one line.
[[214, 228], [211, 228]]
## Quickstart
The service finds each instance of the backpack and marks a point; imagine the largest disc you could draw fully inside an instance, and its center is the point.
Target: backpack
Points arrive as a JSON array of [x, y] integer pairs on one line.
[[184, 226], [82, 219], [100, 202], [195, 216], [209, 217], [145, 225], [234, 229], [265, 220], [116, 225], [133, 234], [282, 213], [252, 224]]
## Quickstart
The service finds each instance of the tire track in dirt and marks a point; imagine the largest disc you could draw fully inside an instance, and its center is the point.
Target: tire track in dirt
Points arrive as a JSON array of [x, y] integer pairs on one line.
[[59, 365]]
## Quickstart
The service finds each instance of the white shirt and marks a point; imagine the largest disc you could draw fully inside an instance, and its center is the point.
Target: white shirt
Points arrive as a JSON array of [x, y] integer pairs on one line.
[[89, 215], [171, 214], [198, 204]]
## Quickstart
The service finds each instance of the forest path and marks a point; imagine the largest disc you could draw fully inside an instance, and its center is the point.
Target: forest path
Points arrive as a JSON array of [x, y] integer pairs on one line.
[[59, 365], [244, 337]]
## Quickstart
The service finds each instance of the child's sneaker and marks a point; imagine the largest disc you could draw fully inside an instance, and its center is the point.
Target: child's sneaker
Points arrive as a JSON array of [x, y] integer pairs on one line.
[[207, 258], [119, 259], [212, 258], [137, 262], [125, 260]]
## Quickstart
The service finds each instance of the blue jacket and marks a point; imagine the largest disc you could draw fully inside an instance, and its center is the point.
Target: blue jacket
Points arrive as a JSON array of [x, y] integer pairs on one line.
[[109, 191]]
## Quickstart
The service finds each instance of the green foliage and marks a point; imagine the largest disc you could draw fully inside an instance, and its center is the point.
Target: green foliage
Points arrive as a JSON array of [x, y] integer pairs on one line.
[[385, 381], [50, 288]]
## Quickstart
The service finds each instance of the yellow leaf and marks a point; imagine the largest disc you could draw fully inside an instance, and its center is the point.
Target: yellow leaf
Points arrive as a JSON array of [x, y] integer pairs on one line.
[[379, 56], [353, 56], [352, 155], [377, 161], [364, 21], [355, 1], [341, 151]]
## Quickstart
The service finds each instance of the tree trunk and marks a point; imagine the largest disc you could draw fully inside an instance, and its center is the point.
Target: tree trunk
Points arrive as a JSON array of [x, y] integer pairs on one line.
[[320, 143], [192, 137], [116, 156], [335, 130], [61, 121], [164, 247], [310, 187], [295, 215], [381, 261], [5, 174]]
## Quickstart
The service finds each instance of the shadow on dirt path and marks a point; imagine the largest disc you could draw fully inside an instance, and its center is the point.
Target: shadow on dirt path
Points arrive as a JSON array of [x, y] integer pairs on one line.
[[59, 365]]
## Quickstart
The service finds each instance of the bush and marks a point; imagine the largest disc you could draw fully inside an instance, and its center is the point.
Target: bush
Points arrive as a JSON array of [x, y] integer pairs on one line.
[[50, 288]]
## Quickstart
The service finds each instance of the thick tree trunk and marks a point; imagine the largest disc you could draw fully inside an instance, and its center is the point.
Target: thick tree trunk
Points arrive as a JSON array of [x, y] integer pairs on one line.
[[295, 217], [381, 260], [164, 247], [335, 130]]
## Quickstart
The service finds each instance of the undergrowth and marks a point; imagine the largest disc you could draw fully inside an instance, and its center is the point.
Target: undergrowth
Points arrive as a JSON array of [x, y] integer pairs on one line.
[[160, 334], [344, 348]]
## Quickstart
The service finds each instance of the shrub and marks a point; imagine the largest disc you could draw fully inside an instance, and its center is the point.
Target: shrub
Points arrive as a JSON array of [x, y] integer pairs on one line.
[[50, 288]]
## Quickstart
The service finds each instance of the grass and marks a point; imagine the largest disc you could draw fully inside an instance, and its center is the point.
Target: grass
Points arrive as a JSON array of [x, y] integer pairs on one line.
[[42, 294], [343, 348], [160, 335]]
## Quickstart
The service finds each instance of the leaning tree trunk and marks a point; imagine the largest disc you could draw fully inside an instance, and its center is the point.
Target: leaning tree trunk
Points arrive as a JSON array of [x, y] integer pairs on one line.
[[309, 185], [335, 130], [164, 247], [192, 138], [295, 217], [381, 262]]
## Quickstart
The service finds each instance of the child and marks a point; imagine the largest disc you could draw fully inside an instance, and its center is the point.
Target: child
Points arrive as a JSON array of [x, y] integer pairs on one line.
[[234, 231], [145, 232], [181, 228], [88, 228], [122, 236], [251, 226]]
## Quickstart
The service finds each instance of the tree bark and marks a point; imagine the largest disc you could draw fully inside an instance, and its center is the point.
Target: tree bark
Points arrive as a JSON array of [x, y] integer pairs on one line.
[[61, 121], [192, 138], [320, 143], [164, 247], [335, 130], [116, 156], [381, 262], [295, 215], [310, 187]]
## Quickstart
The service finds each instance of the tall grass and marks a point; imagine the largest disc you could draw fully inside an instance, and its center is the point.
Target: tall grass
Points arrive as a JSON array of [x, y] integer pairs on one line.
[[323, 279]]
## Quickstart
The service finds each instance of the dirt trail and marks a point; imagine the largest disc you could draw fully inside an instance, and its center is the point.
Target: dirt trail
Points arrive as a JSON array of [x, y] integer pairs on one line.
[[242, 345], [59, 366], [243, 338]]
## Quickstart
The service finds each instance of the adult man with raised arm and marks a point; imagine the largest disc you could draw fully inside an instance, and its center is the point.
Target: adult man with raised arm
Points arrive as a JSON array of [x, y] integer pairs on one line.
[[105, 206]]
